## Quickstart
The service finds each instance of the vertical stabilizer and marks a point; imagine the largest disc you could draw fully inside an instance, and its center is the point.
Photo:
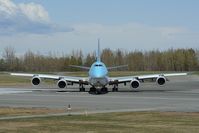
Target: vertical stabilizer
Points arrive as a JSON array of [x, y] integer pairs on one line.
[[98, 51]]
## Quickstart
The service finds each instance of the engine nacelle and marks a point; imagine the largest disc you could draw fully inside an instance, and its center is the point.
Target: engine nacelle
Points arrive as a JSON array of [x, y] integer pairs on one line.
[[61, 83], [36, 80], [135, 83], [161, 80]]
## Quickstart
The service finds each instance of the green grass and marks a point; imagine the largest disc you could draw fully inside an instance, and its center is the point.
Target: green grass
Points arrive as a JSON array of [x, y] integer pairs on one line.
[[142, 122], [7, 80], [196, 73], [9, 111]]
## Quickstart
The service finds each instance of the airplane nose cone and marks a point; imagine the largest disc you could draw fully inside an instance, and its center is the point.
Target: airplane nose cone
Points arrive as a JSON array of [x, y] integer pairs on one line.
[[98, 75], [98, 72]]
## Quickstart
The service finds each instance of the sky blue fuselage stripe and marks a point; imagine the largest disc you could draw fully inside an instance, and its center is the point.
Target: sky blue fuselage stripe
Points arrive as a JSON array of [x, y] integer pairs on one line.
[[98, 75], [98, 70]]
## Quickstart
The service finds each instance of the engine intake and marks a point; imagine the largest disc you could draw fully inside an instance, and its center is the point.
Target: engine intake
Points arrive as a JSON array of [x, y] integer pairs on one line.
[[161, 80], [135, 83], [36, 81], [61, 83]]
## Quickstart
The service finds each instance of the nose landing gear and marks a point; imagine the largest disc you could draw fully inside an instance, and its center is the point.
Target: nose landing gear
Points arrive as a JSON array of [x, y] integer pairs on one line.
[[104, 90], [95, 91]]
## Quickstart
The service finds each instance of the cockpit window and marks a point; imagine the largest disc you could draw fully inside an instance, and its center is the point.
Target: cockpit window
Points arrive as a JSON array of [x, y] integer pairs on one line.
[[98, 65]]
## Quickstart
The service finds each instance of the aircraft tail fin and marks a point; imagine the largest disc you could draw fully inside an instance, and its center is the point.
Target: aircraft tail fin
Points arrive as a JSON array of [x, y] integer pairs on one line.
[[118, 67], [98, 51]]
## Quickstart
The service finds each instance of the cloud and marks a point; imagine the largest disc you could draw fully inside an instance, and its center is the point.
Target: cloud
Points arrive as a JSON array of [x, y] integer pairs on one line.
[[28, 25], [133, 29], [129, 36], [26, 18], [34, 12], [135, 35]]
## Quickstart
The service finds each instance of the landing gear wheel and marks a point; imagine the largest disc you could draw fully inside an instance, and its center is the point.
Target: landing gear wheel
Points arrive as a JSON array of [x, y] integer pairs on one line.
[[92, 90], [115, 88], [104, 90], [82, 89], [98, 92]]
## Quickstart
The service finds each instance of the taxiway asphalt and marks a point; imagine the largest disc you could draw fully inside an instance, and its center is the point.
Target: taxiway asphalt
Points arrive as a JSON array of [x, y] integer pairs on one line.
[[180, 94]]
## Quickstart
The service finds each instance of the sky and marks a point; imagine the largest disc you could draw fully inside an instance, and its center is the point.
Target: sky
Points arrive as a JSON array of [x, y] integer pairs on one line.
[[61, 26]]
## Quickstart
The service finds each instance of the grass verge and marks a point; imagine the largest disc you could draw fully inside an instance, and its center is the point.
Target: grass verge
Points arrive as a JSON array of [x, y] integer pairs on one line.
[[8, 111], [143, 122]]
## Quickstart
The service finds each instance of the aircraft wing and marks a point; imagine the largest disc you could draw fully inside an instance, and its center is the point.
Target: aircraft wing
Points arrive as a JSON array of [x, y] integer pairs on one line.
[[54, 77], [143, 77]]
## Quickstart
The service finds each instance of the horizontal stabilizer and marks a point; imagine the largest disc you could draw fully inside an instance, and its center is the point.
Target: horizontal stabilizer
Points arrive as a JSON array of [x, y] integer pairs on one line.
[[117, 67], [81, 67]]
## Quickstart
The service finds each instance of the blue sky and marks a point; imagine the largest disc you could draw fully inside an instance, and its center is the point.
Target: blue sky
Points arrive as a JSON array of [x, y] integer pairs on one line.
[[152, 12], [126, 24]]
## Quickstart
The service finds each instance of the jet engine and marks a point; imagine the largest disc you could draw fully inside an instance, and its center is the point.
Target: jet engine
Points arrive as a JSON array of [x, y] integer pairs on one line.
[[61, 83], [161, 80], [36, 80], [135, 83]]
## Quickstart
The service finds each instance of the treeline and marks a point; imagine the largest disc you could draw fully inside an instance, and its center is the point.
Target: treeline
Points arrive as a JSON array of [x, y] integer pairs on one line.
[[154, 60]]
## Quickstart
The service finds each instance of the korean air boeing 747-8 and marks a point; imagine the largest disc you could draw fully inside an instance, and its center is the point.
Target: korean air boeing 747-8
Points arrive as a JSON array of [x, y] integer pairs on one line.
[[98, 78]]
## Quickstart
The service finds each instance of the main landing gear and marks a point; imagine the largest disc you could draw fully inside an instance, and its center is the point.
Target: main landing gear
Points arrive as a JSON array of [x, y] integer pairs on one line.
[[95, 91], [115, 88], [81, 88]]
